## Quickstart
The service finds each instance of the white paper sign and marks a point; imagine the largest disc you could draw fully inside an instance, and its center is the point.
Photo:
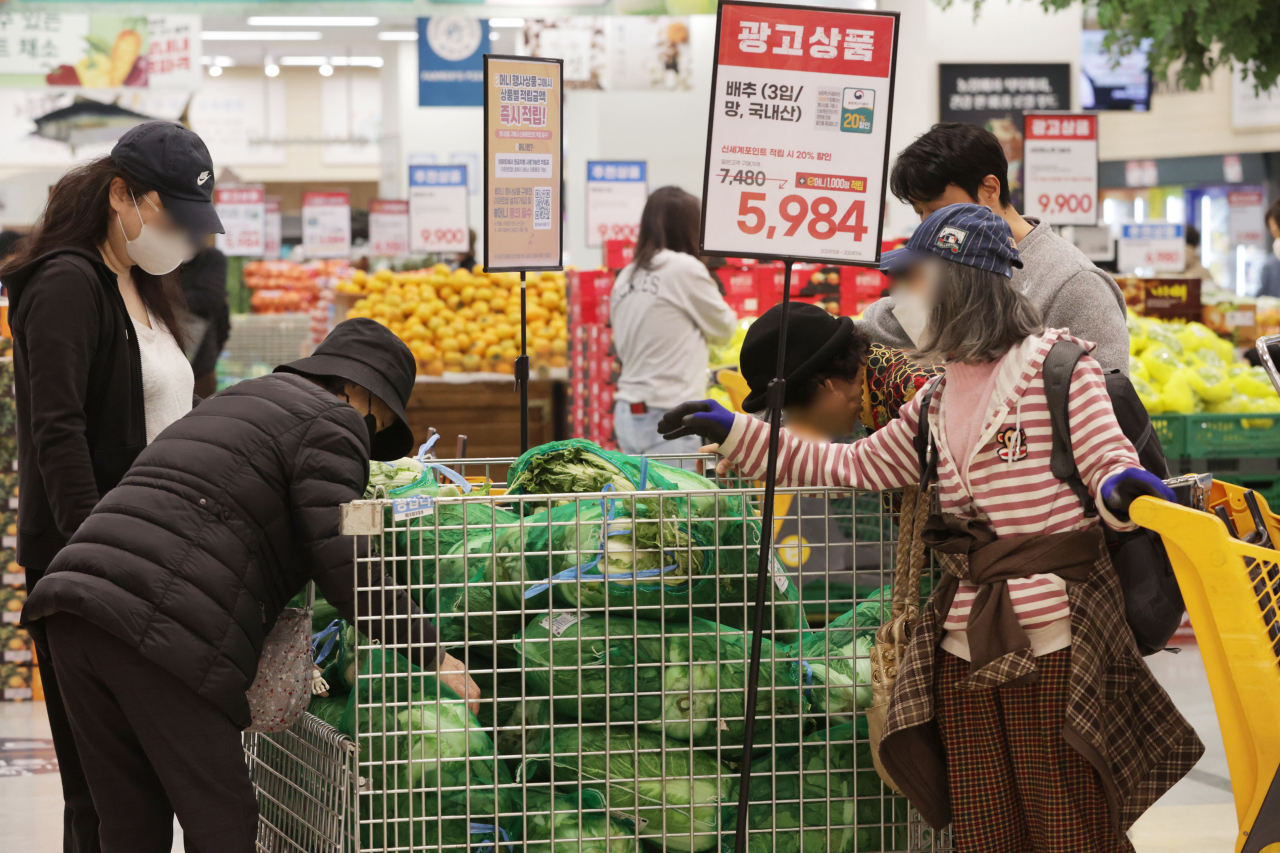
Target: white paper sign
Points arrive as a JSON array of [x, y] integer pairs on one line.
[[800, 107], [389, 227], [243, 211], [1060, 165], [326, 224], [438, 216], [1246, 212], [274, 230], [1157, 247], [616, 195], [173, 55]]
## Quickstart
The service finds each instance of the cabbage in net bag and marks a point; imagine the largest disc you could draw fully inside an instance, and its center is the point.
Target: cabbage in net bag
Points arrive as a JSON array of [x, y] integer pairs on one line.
[[574, 822], [689, 683], [425, 753], [671, 793]]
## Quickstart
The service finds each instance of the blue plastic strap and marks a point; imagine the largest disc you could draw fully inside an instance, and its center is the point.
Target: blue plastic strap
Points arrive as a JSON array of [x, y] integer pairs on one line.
[[485, 829], [644, 472], [808, 679], [426, 448], [453, 475], [333, 632]]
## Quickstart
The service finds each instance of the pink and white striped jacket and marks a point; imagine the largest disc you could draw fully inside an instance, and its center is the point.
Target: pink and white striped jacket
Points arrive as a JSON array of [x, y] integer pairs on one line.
[[1008, 480]]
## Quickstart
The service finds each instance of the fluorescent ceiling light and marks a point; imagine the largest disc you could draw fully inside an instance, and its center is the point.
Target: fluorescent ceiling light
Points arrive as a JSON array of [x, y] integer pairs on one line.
[[315, 61], [258, 35], [302, 21], [506, 22], [398, 35], [304, 60]]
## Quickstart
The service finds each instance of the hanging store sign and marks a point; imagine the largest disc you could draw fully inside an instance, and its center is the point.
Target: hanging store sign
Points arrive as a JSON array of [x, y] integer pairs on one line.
[[798, 146], [450, 61], [274, 229], [326, 224], [389, 227], [616, 195], [243, 211], [1060, 168], [523, 153], [438, 214], [1157, 247], [1246, 215]]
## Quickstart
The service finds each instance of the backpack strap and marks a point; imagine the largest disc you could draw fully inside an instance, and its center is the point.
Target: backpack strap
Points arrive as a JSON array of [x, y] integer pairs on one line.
[[926, 450], [1058, 366]]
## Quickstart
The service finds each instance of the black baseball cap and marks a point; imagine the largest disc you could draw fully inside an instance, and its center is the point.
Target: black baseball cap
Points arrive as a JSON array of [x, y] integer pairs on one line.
[[965, 233], [174, 162]]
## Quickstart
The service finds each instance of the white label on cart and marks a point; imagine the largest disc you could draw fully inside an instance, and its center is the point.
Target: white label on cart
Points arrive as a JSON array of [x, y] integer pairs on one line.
[[12, 617], [558, 624], [13, 502], [16, 694], [635, 820], [13, 579], [780, 577], [23, 656], [412, 507], [8, 541]]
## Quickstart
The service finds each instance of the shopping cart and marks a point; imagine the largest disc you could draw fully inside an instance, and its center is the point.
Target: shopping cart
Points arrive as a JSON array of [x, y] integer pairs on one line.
[[610, 714]]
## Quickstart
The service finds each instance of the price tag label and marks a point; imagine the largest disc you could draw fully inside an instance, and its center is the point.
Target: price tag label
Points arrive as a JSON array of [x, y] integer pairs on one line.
[[558, 623], [389, 227], [616, 195], [1060, 165], [412, 507], [1157, 247], [13, 503], [274, 230], [801, 102], [326, 224], [12, 617], [243, 211], [8, 541], [22, 656], [438, 208]]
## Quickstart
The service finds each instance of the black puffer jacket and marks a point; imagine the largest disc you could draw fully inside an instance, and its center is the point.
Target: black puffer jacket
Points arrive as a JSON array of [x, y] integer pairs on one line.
[[219, 522]]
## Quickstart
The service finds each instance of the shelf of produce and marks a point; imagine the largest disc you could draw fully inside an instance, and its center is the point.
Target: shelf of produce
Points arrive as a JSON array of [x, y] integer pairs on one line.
[[1232, 436]]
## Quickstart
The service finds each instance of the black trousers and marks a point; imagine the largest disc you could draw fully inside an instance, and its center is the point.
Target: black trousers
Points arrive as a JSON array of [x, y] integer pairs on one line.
[[79, 817], [151, 747]]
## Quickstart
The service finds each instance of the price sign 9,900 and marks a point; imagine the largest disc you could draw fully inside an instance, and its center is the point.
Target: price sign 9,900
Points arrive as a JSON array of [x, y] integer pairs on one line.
[[799, 133]]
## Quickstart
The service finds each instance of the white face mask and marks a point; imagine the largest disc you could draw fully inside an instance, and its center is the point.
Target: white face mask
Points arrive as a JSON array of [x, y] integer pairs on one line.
[[1275, 247], [912, 311], [158, 252]]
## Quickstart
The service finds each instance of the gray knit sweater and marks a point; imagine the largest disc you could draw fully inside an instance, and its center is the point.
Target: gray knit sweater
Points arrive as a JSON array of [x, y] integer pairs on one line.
[[1069, 290]]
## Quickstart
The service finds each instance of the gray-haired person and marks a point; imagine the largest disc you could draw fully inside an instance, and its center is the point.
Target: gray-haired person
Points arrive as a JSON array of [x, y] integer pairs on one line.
[[957, 163]]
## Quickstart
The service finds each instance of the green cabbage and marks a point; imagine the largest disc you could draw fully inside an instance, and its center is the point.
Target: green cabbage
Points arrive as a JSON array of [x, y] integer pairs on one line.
[[835, 667], [574, 823]]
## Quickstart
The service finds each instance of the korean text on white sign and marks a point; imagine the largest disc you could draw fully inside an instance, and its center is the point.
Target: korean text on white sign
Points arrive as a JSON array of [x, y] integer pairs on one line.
[[1156, 247], [1060, 168], [243, 211], [389, 227], [326, 224], [438, 212], [798, 143], [274, 230], [616, 195]]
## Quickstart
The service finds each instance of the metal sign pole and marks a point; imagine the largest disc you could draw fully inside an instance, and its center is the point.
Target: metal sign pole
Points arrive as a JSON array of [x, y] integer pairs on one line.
[[522, 368], [775, 395]]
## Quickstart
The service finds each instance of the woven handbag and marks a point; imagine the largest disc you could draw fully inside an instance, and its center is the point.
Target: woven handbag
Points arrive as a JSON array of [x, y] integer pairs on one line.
[[894, 635]]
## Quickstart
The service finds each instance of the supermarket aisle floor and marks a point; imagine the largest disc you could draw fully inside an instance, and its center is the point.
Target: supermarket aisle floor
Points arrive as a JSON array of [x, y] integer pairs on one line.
[[1196, 816]]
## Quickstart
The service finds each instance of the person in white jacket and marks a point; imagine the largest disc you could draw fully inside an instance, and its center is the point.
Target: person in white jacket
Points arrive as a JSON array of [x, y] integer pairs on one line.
[[665, 309]]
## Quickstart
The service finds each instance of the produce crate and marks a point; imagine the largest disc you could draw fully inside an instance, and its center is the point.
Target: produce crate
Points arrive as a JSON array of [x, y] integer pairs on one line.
[[1172, 431], [1232, 436], [612, 710]]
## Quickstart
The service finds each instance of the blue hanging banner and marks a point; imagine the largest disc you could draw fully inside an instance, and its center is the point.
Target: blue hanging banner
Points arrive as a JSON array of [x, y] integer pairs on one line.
[[451, 61]]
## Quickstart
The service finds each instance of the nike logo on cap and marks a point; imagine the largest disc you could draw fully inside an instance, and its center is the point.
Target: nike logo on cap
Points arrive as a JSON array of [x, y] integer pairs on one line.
[[204, 176]]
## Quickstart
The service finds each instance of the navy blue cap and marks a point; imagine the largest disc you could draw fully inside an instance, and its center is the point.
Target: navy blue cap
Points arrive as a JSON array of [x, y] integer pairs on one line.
[[173, 161], [965, 233]]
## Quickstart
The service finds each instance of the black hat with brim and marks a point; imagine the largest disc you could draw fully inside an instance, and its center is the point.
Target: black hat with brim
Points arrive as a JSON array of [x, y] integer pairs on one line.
[[370, 355], [174, 161], [814, 337]]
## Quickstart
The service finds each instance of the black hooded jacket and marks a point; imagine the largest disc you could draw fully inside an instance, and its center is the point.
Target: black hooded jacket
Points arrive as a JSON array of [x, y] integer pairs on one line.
[[78, 373], [220, 521]]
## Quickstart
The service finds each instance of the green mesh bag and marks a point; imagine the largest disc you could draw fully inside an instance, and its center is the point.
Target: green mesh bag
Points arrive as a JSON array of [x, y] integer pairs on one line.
[[434, 771], [821, 797], [689, 683], [835, 664], [574, 822], [673, 794], [328, 709]]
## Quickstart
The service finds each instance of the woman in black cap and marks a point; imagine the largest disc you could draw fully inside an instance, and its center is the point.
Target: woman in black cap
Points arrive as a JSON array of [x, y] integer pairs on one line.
[[98, 357], [157, 608]]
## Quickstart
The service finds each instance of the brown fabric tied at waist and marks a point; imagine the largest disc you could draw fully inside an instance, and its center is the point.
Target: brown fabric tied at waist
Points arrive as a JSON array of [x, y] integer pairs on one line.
[[999, 649]]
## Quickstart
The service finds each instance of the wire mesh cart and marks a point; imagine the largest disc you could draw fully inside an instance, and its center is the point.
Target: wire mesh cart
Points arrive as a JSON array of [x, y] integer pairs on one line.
[[605, 630]]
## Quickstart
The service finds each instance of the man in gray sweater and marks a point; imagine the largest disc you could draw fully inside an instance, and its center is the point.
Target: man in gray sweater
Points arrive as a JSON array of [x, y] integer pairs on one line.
[[957, 163]]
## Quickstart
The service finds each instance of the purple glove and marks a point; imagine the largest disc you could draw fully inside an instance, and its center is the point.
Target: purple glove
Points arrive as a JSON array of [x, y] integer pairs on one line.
[[1119, 492], [706, 418]]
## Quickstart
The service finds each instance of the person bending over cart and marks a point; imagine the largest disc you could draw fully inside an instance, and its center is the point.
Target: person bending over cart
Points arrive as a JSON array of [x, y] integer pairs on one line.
[[158, 607], [1023, 713]]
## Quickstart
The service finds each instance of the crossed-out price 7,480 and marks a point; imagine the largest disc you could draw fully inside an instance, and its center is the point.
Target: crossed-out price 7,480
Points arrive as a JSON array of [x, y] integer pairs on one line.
[[794, 209]]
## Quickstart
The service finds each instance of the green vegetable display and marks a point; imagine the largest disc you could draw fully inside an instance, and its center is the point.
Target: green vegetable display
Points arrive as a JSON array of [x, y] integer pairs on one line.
[[673, 794], [835, 664], [575, 822]]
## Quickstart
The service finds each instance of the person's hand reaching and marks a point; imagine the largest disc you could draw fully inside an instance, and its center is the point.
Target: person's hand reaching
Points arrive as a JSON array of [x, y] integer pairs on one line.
[[1120, 491], [706, 418], [453, 673]]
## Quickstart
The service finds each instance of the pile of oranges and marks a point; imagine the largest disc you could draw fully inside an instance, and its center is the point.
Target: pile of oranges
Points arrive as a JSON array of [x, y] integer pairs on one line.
[[466, 320]]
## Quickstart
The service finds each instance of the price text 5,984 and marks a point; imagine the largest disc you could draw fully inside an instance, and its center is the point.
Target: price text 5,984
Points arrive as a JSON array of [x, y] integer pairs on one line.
[[794, 209]]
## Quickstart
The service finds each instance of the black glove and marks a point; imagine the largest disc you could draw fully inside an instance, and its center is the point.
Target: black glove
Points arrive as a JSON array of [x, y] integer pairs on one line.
[[706, 418]]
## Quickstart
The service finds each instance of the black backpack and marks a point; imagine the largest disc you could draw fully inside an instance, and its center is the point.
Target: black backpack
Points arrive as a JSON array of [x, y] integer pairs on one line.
[[1152, 600]]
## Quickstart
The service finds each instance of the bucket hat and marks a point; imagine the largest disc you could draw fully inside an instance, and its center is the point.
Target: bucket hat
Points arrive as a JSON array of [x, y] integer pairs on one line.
[[813, 337], [370, 355]]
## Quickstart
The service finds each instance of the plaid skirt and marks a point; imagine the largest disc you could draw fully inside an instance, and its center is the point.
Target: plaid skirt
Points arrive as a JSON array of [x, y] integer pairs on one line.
[[1016, 785]]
